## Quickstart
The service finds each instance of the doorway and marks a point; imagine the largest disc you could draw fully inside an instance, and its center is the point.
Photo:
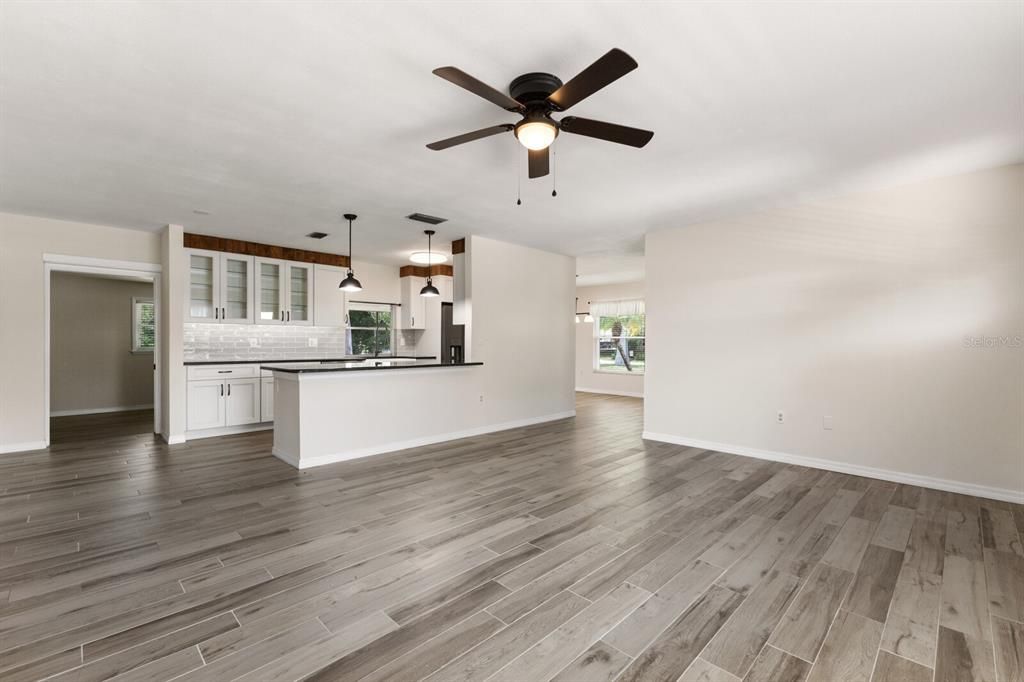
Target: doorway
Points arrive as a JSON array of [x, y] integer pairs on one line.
[[102, 349]]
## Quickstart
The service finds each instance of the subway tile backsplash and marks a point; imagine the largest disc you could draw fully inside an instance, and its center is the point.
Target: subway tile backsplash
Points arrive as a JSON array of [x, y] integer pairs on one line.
[[268, 342]]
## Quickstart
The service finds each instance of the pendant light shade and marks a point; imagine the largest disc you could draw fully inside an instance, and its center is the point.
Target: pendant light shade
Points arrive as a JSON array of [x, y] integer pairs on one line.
[[350, 283], [429, 290]]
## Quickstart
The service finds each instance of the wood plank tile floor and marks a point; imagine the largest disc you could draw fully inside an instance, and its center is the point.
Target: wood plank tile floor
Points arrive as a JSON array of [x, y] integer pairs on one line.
[[572, 550]]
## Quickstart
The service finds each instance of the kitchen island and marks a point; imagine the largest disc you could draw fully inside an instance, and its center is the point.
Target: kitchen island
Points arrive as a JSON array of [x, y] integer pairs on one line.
[[334, 411]]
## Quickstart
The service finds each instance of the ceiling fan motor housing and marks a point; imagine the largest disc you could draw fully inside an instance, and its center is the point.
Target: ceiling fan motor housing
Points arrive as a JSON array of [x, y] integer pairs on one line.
[[534, 88]]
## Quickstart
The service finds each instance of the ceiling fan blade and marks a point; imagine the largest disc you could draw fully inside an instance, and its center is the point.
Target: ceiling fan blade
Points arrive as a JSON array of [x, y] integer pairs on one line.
[[479, 88], [469, 137], [609, 68], [612, 132], [539, 162]]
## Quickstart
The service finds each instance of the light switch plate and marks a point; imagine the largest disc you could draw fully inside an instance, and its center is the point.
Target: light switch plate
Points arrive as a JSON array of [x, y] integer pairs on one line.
[[312, 341], [826, 422]]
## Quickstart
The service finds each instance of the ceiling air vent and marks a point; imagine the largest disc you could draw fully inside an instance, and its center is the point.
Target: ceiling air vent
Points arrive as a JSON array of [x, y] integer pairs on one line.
[[316, 235], [424, 218]]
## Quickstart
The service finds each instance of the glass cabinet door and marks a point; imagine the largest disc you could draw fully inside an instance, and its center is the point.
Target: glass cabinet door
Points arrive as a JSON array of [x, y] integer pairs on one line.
[[236, 286], [269, 281], [202, 289], [300, 294]]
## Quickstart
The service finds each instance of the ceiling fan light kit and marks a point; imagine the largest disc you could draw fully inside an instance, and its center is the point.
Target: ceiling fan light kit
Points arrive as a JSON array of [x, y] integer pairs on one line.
[[535, 96]]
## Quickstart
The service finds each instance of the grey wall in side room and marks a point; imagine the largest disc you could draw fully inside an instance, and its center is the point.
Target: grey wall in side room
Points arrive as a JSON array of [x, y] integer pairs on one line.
[[91, 364]]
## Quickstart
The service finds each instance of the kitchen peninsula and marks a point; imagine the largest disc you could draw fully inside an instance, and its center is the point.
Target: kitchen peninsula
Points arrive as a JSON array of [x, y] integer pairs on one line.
[[330, 412]]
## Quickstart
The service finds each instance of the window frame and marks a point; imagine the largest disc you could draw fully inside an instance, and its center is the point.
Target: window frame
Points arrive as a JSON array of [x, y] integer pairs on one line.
[[374, 308], [596, 348], [135, 347]]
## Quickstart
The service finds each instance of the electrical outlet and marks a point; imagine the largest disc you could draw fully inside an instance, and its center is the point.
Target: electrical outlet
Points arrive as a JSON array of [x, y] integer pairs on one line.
[[312, 341], [254, 343], [780, 417], [826, 422], [481, 398]]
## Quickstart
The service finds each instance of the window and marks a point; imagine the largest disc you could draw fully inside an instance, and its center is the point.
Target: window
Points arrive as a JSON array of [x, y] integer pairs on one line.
[[143, 325], [370, 328], [619, 336]]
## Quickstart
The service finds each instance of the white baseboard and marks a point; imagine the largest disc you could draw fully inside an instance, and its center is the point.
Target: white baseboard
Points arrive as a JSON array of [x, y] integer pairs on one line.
[[99, 410], [625, 394], [1004, 494], [320, 460], [22, 447], [226, 431], [173, 440]]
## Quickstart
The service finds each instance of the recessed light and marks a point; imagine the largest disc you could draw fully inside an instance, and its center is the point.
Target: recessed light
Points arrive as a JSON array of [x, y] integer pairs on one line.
[[424, 258], [200, 211], [316, 235]]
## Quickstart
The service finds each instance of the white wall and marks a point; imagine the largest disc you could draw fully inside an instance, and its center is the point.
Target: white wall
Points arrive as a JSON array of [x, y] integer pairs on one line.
[[23, 241], [857, 308], [92, 366], [521, 328], [587, 379]]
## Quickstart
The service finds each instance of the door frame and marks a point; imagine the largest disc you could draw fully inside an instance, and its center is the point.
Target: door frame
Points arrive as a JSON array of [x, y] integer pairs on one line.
[[143, 272]]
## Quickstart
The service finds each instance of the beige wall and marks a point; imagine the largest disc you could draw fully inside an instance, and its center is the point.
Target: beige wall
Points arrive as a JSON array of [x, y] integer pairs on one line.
[[861, 308], [521, 328], [92, 367], [586, 378], [23, 241]]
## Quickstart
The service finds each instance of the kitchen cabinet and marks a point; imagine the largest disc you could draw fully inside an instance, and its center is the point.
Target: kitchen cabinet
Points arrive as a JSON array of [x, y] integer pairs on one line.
[[412, 313], [267, 399], [220, 287], [220, 396], [241, 402], [206, 405], [331, 303], [284, 292]]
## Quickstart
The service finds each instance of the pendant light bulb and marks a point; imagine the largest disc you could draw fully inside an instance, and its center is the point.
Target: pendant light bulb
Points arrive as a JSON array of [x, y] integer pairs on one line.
[[429, 290], [350, 283]]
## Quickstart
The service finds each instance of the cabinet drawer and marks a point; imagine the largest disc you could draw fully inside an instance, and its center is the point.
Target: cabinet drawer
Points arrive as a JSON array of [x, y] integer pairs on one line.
[[199, 372]]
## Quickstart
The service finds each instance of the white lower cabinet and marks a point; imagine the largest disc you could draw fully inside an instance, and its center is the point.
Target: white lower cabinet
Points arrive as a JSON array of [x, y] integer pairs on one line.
[[242, 402], [206, 404], [233, 399], [267, 399]]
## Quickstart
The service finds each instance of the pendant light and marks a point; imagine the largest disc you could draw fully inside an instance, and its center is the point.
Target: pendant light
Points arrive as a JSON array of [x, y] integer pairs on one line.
[[430, 289], [350, 283]]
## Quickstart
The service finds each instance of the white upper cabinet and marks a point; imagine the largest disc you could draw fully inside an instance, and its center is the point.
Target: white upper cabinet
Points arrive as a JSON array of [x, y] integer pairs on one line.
[[220, 287], [300, 293], [331, 309], [236, 288], [412, 312], [284, 292], [270, 285]]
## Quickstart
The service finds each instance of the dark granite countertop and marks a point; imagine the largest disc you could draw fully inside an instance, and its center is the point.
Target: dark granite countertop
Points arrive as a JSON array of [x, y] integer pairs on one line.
[[350, 358], [371, 365]]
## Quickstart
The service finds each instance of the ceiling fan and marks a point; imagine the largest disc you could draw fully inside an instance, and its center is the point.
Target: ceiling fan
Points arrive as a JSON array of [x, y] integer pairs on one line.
[[535, 96]]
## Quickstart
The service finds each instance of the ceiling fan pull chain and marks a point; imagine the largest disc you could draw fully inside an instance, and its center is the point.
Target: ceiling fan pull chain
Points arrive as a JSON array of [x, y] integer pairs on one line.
[[554, 171], [519, 181]]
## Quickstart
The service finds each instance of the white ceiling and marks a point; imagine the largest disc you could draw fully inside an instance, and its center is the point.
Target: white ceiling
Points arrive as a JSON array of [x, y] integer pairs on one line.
[[278, 117]]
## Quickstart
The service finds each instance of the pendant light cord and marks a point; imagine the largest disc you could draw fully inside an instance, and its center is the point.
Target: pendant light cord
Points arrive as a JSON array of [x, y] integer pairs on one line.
[[350, 246]]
